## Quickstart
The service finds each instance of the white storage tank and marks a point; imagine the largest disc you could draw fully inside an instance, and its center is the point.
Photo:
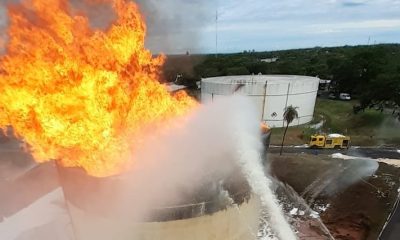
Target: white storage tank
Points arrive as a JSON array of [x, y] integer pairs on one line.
[[94, 206], [271, 94]]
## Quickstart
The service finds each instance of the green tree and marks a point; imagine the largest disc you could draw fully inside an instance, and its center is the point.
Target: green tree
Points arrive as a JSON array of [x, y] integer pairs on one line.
[[354, 74], [383, 89], [289, 115], [237, 71]]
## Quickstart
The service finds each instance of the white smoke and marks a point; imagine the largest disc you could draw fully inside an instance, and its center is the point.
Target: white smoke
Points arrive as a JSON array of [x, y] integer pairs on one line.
[[176, 163], [3, 25], [212, 143], [175, 26], [356, 169]]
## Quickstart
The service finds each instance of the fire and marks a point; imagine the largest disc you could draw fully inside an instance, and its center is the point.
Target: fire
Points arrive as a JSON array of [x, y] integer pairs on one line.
[[79, 95]]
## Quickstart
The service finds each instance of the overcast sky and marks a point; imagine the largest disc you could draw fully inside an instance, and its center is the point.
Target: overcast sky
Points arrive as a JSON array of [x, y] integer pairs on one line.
[[279, 24], [176, 26]]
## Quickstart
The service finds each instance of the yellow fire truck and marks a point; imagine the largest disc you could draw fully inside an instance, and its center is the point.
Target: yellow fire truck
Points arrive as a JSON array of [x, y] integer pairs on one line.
[[330, 141]]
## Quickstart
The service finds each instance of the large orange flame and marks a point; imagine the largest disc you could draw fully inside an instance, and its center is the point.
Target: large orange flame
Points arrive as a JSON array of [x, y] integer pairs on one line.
[[79, 95]]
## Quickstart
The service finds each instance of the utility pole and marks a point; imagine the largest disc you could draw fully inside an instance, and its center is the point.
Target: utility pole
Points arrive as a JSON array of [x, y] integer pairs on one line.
[[216, 32]]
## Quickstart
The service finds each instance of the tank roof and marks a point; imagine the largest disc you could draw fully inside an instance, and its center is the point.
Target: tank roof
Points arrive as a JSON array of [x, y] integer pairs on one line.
[[254, 79]]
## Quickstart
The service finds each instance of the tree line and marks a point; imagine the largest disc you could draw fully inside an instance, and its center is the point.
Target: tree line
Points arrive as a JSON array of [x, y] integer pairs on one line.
[[369, 73]]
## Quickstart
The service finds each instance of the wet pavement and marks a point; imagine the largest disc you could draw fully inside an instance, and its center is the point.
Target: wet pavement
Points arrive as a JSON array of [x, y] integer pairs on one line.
[[370, 152]]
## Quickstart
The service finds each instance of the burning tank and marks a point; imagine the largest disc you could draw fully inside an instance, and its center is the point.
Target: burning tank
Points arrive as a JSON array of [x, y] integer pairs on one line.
[[228, 211], [85, 96]]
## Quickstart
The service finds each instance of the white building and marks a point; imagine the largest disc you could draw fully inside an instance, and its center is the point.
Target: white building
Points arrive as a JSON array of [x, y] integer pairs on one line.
[[271, 94], [269, 60]]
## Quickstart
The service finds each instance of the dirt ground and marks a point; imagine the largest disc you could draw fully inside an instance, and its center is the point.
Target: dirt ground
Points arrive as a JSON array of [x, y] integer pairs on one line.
[[357, 206]]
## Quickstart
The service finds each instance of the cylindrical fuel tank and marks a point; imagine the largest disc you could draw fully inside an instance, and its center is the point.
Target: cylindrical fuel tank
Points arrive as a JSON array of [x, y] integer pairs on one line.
[[95, 214]]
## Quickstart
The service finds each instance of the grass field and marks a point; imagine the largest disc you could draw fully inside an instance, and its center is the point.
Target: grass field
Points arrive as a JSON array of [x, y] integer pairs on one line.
[[369, 128]]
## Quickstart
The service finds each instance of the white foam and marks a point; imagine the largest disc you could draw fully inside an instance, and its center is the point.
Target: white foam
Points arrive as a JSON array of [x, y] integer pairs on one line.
[[322, 208], [301, 146], [314, 214], [294, 211], [297, 212], [342, 156], [246, 133], [392, 162]]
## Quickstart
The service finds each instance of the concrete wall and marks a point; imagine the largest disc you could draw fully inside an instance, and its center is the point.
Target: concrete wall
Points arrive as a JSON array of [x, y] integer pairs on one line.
[[270, 94], [235, 223]]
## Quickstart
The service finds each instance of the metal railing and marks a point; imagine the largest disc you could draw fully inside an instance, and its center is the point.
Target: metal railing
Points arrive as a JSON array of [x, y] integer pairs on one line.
[[187, 211]]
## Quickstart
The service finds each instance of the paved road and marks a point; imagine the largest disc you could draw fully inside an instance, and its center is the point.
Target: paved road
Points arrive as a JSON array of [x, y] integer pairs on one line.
[[370, 152]]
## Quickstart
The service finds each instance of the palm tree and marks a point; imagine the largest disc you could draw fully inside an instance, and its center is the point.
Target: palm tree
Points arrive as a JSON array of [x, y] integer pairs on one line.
[[289, 115]]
